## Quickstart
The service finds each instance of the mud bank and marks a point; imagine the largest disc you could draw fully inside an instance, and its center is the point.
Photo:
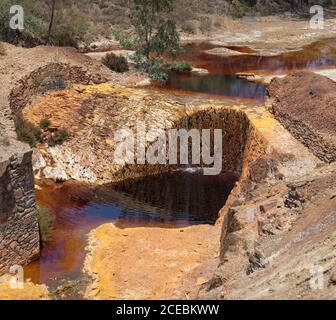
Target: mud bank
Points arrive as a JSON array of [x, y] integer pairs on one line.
[[267, 36]]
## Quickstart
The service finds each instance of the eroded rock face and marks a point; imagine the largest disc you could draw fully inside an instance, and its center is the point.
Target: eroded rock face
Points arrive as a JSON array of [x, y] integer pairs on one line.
[[38, 161], [254, 144], [93, 114], [305, 104], [274, 240]]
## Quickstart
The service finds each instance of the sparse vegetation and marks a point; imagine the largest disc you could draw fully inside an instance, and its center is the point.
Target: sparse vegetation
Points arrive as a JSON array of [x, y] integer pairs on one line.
[[2, 49], [115, 63], [158, 69], [28, 132], [45, 123], [183, 66], [75, 22], [52, 83], [189, 27], [266, 8], [217, 24], [206, 25], [58, 137], [124, 41], [239, 8]]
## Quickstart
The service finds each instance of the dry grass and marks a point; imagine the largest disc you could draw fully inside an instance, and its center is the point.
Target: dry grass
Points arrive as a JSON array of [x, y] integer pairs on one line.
[[2, 49]]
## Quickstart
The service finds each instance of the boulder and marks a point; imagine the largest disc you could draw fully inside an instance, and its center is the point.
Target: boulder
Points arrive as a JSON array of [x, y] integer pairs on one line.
[[200, 71], [38, 161], [55, 174]]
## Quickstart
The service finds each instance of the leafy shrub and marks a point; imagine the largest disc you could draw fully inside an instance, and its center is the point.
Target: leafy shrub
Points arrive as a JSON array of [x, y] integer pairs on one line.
[[2, 49], [183, 66], [115, 63], [46, 224], [158, 69], [45, 123], [125, 42], [28, 132], [140, 61], [59, 137], [71, 27], [217, 24]]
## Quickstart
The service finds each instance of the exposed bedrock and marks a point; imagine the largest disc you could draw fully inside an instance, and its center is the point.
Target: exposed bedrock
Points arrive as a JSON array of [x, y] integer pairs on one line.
[[305, 103], [254, 144], [276, 241]]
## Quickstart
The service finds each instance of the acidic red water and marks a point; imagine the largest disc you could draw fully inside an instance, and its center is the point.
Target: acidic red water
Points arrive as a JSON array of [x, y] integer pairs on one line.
[[221, 81], [169, 200]]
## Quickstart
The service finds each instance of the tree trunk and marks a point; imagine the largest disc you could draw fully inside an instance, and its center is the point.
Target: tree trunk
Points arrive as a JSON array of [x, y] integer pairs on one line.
[[51, 21]]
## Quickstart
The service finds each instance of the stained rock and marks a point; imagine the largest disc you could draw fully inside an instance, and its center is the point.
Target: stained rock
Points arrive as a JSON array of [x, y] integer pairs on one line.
[[38, 160], [55, 174]]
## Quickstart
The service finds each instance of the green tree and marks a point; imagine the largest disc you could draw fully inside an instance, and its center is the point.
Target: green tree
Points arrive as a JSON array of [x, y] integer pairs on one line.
[[154, 26], [155, 34]]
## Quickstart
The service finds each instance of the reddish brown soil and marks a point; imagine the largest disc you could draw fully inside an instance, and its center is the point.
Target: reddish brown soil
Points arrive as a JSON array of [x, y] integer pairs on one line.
[[305, 103]]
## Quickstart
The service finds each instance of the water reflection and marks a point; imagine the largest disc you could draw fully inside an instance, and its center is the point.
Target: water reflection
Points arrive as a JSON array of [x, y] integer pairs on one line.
[[176, 199], [222, 81], [320, 54], [192, 198], [221, 85]]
